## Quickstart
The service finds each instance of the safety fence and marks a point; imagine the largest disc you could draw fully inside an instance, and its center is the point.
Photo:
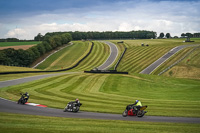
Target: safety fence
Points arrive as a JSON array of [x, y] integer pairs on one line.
[[106, 72], [115, 68]]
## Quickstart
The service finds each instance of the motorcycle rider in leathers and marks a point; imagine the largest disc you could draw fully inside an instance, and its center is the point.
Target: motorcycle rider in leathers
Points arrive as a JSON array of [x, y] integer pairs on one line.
[[134, 106]]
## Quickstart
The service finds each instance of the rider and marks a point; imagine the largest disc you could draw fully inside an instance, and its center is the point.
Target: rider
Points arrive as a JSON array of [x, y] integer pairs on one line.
[[77, 102], [26, 95], [134, 106]]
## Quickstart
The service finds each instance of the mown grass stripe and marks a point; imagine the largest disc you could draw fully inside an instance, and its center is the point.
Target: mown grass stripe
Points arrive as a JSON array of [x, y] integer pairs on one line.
[[95, 59], [91, 57]]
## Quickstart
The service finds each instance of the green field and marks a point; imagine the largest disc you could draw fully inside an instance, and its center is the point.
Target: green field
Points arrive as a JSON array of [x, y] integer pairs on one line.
[[165, 95], [187, 68], [97, 57], [5, 44], [157, 42], [14, 68], [69, 56], [138, 57], [66, 57], [22, 123], [103, 92]]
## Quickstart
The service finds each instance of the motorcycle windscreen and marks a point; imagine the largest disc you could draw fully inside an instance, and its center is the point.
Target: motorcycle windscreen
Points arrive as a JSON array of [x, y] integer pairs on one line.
[[143, 107]]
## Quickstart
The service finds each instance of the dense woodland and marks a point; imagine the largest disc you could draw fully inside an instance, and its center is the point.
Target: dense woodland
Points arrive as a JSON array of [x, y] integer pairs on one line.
[[111, 35], [25, 58]]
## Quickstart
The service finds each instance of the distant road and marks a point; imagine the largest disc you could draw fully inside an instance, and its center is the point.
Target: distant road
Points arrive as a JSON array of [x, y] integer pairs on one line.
[[111, 58], [165, 57], [13, 107], [28, 79]]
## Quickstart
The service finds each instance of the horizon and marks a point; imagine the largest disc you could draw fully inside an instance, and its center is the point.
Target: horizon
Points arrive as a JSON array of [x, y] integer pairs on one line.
[[24, 19]]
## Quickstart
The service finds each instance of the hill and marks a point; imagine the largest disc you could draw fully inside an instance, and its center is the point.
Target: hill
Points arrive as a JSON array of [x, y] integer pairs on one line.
[[138, 57]]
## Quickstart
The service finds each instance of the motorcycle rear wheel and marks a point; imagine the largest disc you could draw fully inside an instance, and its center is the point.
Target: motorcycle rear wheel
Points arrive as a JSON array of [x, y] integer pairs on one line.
[[140, 113], [76, 110]]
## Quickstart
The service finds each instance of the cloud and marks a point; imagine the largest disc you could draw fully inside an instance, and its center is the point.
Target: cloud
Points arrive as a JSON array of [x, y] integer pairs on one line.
[[174, 17]]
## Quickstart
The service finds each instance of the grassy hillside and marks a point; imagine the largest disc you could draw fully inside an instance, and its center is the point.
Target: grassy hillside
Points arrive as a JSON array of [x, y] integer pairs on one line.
[[69, 56], [19, 123], [111, 93], [97, 57], [138, 57], [188, 68], [66, 57], [154, 42], [5, 44], [13, 68]]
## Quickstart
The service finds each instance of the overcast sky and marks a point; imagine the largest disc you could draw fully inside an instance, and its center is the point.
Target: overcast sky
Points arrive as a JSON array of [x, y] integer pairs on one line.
[[24, 19]]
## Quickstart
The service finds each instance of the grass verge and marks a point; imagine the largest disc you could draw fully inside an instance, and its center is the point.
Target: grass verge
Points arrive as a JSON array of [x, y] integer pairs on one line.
[[66, 57], [31, 123]]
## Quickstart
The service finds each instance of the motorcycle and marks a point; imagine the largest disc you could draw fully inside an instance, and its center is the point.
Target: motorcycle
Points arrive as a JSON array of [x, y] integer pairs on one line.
[[23, 99], [135, 111], [72, 107]]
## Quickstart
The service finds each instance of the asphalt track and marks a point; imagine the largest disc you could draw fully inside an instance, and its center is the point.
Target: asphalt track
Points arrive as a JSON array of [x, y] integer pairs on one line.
[[13, 107], [111, 58], [165, 57], [27, 79]]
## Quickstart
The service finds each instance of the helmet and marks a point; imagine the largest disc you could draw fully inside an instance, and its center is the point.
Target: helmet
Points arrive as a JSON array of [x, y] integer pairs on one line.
[[136, 101], [27, 93]]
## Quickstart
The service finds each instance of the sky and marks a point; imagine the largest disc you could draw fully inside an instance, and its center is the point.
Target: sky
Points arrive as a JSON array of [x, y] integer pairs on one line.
[[24, 19]]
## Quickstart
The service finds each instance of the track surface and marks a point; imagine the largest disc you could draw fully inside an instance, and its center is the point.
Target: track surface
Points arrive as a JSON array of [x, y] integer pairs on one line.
[[165, 57], [13, 107], [27, 79], [111, 58]]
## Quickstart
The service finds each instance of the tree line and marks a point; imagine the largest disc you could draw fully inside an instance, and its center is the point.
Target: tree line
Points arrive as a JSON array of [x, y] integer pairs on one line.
[[95, 35], [162, 35], [25, 58], [13, 40], [190, 35]]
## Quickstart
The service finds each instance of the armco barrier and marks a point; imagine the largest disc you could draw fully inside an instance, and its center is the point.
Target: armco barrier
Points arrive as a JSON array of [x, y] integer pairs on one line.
[[17, 72], [106, 72], [120, 59]]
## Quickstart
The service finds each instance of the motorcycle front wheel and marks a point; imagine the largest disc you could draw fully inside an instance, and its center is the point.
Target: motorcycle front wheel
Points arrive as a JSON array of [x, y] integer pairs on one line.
[[65, 109], [19, 101], [125, 113]]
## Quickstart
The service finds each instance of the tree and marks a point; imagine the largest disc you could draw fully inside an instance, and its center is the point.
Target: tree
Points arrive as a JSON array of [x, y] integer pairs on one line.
[[35, 51], [161, 35], [188, 35], [175, 36], [41, 48], [47, 46], [39, 37], [196, 35], [150, 35], [183, 35], [168, 35], [3, 58]]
